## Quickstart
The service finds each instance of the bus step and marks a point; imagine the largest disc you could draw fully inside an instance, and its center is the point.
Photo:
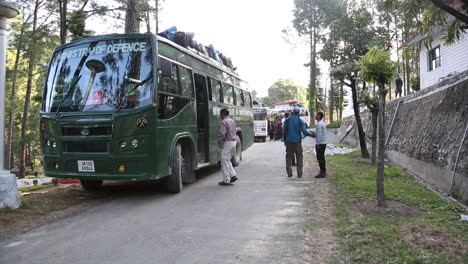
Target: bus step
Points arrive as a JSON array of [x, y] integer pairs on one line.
[[203, 165]]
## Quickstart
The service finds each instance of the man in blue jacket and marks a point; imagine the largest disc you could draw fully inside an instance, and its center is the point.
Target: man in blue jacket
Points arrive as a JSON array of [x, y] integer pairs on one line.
[[293, 127]]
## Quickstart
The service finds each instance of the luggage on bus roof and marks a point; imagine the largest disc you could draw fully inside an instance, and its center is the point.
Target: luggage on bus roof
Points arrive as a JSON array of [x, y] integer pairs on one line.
[[168, 33]]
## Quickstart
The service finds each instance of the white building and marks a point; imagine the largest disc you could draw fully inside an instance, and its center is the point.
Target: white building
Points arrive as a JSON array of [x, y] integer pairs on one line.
[[438, 60]]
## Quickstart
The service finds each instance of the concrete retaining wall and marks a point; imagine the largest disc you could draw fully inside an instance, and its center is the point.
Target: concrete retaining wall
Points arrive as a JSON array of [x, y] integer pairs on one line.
[[427, 133]]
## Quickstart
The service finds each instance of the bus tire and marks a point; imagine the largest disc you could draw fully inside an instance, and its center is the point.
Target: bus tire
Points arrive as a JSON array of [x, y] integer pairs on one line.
[[91, 185], [237, 156], [174, 181]]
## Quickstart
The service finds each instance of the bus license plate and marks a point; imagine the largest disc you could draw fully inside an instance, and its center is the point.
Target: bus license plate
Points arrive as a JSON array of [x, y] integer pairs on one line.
[[86, 165]]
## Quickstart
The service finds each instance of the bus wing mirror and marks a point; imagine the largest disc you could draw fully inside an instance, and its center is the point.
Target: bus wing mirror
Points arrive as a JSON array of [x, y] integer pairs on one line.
[[166, 69]]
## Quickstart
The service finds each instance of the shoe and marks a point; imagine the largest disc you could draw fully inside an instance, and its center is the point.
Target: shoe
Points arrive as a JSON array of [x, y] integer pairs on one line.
[[299, 176], [289, 175], [224, 183], [233, 179], [320, 175]]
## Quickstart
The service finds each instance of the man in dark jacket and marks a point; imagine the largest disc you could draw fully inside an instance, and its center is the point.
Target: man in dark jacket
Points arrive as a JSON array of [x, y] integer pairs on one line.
[[292, 137], [398, 86]]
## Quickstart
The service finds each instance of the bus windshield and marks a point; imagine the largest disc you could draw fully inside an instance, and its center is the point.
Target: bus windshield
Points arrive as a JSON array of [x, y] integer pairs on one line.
[[102, 75], [260, 114]]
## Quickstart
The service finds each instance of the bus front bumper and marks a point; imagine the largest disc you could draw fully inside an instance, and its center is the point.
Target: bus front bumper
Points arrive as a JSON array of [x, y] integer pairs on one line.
[[139, 167]]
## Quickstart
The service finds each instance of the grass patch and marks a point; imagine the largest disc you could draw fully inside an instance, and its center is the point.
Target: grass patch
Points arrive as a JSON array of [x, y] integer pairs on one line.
[[392, 235], [33, 188]]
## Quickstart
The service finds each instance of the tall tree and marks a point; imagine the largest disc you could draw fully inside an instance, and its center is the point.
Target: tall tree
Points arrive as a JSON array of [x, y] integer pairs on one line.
[[63, 9], [19, 43], [311, 17], [376, 66], [37, 36], [353, 34], [132, 16]]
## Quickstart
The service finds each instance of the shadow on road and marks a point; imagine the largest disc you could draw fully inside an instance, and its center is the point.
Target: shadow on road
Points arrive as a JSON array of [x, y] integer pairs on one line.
[[150, 188]]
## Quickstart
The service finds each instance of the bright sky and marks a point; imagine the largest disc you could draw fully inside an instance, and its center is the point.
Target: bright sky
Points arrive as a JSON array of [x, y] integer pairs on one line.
[[248, 31]]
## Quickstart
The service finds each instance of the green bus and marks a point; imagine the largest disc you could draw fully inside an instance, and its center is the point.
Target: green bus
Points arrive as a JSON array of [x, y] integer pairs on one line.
[[137, 107]]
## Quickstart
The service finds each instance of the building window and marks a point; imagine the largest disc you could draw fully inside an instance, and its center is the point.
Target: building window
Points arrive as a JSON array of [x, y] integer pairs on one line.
[[434, 58]]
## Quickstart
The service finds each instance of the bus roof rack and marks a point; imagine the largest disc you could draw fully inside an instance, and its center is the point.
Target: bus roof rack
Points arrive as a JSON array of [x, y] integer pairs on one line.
[[186, 40]]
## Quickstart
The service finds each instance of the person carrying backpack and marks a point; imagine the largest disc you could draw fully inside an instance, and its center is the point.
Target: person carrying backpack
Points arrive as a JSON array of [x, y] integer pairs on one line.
[[292, 137]]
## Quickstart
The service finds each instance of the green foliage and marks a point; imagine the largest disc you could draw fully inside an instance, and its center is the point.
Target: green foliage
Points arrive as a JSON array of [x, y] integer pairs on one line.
[[285, 90], [415, 82], [370, 101], [334, 124], [376, 66], [77, 25], [378, 237]]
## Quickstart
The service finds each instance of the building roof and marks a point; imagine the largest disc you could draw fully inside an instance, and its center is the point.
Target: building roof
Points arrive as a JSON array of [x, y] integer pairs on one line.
[[436, 32], [290, 102]]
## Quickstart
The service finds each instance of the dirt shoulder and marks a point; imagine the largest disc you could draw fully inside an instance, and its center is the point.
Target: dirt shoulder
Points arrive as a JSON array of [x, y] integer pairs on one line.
[[45, 205], [321, 244]]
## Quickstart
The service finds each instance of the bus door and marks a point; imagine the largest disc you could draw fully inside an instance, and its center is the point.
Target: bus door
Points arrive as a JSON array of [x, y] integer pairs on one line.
[[202, 118]]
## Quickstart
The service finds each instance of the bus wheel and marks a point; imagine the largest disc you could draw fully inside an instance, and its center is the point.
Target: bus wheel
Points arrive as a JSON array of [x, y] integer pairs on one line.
[[236, 158], [174, 181], [91, 185]]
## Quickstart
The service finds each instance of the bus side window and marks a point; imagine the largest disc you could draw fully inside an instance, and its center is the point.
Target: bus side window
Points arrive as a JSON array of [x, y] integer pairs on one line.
[[228, 94], [210, 92], [174, 92], [239, 98], [215, 86], [170, 85], [242, 97], [248, 99], [186, 82]]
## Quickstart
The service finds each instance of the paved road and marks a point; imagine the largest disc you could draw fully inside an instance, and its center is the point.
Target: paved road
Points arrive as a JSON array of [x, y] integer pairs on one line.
[[259, 220]]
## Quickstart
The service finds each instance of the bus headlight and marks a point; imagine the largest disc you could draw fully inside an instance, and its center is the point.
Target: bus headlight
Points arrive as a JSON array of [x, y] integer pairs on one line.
[[54, 144], [134, 142], [48, 143], [123, 144]]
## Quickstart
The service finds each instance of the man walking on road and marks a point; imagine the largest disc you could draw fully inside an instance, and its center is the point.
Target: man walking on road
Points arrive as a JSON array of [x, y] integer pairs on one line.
[[292, 140], [321, 144], [227, 144]]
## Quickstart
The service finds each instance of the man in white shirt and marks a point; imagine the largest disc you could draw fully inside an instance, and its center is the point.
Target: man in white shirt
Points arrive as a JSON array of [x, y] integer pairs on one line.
[[321, 144]]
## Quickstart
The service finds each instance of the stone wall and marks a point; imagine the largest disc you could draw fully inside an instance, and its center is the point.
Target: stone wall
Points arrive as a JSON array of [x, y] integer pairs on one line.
[[426, 136]]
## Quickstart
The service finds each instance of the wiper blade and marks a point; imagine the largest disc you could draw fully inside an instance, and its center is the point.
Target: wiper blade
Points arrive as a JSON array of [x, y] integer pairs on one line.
[[138, 84], [72, 88]]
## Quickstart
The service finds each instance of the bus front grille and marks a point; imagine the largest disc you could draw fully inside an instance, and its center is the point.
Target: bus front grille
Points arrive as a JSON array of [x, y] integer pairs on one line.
[[86, 147], [90, 131]]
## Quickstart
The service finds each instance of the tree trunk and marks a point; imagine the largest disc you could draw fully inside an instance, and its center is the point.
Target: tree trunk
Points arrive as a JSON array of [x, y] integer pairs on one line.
[[132, 22], [331, 98], [63, 21], [381, 158], [156, 15], [357, 116], [147, 21], [408, 76], [27, 100], [374, 136], [313, 72], [13, 98], [341, 101]]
